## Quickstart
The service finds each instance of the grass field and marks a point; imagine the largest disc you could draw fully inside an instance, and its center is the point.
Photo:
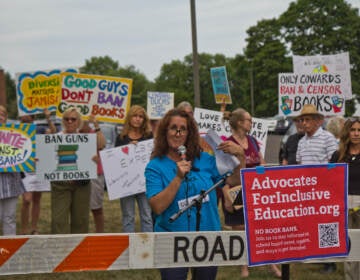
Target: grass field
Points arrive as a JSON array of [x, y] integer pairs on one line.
[[298, 271]]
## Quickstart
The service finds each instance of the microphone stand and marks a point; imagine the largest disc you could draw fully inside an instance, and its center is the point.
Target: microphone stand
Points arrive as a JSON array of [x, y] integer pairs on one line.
[[197, 202]]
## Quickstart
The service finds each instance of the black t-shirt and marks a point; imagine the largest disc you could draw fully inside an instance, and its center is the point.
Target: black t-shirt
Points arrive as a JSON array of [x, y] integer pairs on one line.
[[290, 148], [354, 171], [126, 140]]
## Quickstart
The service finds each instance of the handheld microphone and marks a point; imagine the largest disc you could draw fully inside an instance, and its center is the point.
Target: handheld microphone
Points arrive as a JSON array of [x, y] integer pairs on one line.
[[182, 152]]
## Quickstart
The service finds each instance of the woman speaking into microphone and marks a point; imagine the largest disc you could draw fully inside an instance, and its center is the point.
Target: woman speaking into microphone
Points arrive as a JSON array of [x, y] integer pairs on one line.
[[175, 176]]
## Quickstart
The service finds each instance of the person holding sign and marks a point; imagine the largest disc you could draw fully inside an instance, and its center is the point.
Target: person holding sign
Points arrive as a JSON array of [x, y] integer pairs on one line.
[[240, 122], [176, 174], [349, 152], [136, 128], [70, 199], [11, 187]]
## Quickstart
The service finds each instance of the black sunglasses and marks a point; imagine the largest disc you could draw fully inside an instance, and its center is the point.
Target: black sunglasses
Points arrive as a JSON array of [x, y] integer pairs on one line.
[[70, 119]]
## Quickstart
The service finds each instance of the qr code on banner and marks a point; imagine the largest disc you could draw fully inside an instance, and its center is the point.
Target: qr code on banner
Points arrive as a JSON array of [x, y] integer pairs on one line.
[[328, 235]]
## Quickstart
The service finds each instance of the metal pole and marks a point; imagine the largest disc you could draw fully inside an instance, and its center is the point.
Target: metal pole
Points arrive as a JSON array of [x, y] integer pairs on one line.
[[195, 55], [252, 90]]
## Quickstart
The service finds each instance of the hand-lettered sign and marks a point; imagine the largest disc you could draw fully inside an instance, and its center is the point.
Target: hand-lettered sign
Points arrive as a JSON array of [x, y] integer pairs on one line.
[[333, 63], [17, 147], [324, 90], [38, 90], [124, 168], [158, 103], [108, 98]]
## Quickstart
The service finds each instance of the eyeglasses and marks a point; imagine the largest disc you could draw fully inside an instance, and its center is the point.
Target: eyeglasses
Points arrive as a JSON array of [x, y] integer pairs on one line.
[[70, 119], [175, 131]]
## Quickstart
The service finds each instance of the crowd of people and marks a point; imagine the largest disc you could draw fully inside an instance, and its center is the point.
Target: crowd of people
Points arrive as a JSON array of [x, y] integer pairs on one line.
[[175, 176]]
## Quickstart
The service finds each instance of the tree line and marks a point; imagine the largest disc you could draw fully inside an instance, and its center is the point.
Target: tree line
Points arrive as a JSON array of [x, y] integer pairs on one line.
[[307, 27]]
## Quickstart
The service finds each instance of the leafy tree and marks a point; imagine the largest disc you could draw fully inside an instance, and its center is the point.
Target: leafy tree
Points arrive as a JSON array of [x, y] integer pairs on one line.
[[107, 66], [311, 27], [266, 56], [11, 100]]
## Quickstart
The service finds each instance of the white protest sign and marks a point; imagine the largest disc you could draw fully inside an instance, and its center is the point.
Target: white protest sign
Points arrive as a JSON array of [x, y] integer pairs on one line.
[[325, 91], [64, 157], [224, 162], [124, 168], [158, 103], [336, 63], [208, 119]]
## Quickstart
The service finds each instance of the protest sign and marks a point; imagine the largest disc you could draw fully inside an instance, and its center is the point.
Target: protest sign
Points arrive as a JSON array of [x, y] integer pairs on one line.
[[324, 90], [17, 147], [335, 63], [208, 119], [38, 90], [224, 162], [295, 212], [63, 157], [124, 168], [108, 98], [158, 103], [220, 85]]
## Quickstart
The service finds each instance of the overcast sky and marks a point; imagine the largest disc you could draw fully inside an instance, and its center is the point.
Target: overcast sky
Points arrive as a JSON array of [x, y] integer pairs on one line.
[[46, 34]]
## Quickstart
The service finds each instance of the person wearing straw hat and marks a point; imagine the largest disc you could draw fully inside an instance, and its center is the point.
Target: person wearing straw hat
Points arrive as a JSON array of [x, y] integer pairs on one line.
[[317, 146]]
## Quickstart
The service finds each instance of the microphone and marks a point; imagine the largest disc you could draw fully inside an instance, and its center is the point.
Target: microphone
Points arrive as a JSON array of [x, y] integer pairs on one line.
[[182, 152]]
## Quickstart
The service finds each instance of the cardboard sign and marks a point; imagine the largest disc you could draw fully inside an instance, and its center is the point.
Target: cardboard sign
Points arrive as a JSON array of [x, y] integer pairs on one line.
[[63, 157], [38, 90], [158, 103], [295, 212], [209, 119], [124, 168], [220, 85], [324, 90], [108, 98], [336, 63], [17, 147]]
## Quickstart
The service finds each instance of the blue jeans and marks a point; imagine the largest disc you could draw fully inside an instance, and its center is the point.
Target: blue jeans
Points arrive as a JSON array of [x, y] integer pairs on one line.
[[128, 213]]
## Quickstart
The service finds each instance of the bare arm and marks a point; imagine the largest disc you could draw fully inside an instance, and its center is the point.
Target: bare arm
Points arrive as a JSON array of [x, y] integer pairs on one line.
[[100, 138], [160, 202], [51, 125]]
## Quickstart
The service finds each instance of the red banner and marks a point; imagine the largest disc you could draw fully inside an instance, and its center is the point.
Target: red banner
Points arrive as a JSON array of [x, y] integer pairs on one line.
[[295, 212]]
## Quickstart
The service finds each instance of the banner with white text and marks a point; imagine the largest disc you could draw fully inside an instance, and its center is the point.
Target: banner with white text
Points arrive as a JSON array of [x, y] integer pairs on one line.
[[295, 213]]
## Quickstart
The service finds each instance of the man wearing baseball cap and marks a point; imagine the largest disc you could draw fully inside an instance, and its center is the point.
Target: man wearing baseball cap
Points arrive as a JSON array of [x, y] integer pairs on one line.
[[317, 146]]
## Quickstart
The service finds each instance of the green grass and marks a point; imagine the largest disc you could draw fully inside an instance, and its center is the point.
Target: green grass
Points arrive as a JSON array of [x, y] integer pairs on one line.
[[298, 271]]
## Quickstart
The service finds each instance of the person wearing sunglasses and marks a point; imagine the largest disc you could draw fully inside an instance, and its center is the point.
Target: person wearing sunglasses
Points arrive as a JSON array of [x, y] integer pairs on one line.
[[136, 128], [70, 200], [176, 174], [349, 152]]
